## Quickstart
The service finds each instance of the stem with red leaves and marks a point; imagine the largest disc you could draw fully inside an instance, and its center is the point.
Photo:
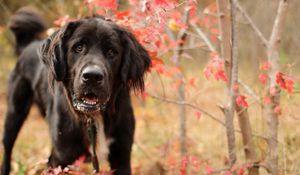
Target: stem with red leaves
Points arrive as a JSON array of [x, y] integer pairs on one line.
[[229, 53], [272, 115], [226, 52], [181, 89]]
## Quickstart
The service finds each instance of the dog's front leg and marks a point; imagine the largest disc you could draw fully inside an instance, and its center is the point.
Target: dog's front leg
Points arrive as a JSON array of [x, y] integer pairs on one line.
[[120, 149]]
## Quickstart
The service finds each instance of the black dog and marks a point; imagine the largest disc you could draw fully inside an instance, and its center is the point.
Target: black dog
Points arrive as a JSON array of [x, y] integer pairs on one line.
[[91, 65]]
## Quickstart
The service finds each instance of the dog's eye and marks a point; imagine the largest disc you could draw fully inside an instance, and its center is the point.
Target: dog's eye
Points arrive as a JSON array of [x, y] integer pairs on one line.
[[111, 53], [78, 47]]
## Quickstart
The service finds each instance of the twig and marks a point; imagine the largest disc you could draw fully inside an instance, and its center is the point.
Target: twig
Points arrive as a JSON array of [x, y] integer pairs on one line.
[[249, 90], [161, 83], [251, 23], [189, 105], [204, 38], [171, 101]]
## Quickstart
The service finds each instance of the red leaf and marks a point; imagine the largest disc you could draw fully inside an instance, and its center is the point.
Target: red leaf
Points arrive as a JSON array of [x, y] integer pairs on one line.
[[159, 68], [183, 166], [290, 85], [242, 171], [162, 3], [133, 2], [108, 4], [227, 173], [122, 15], [214, 31], [280, 80], [80, 160], [216, 68], [241, 101], [198, 114], [273, 90], [278, 110], [265, 66], [220, 75], [156, 61], [192, 82], [285, 82], [207, 72], [195, 162], [172, 71], [267, 100], [209, 170], [144, 95], [263, 78]]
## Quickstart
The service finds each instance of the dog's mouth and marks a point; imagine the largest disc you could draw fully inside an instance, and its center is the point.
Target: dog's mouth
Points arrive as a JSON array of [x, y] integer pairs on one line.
[[89, 103]]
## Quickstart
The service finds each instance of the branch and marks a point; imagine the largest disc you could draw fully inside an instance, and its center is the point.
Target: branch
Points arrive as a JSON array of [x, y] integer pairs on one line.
[[251, 23], [204, 38], [189, 105], [272, 117], [181, 89], [273, 55], [213, 117], [249, 90]]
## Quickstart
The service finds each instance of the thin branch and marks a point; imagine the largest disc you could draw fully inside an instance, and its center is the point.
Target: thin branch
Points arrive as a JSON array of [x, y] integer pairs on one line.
[[251, 23], [161, 83], [189, 105], [181, 89], [249, 90], [204, 38], [171, 101]]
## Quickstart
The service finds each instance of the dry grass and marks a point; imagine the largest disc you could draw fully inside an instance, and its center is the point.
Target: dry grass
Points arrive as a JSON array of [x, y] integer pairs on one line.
[[157, 136]]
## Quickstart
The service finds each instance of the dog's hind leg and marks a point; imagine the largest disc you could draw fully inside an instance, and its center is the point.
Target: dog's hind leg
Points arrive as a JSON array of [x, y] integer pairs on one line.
[[20, 97]]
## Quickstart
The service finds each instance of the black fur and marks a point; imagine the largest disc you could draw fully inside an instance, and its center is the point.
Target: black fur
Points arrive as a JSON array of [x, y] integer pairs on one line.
[[26, 24], [120, 63]]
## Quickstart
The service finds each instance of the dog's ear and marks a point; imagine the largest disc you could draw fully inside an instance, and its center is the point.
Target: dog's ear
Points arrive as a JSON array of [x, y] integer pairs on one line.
[[53, 51], [136, 61]]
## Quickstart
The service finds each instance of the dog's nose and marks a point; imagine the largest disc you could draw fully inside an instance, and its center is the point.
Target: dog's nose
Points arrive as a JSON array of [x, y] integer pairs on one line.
[[92, 74]]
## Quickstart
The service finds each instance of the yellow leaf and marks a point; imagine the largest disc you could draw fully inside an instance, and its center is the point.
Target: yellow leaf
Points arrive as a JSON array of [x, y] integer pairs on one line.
[[173, 25]]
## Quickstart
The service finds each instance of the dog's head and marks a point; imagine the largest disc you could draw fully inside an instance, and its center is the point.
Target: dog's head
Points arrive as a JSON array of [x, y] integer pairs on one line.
[[93, 58]]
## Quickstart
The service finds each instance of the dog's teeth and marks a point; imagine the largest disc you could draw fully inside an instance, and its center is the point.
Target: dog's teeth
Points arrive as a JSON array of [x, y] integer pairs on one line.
[[91, 102]]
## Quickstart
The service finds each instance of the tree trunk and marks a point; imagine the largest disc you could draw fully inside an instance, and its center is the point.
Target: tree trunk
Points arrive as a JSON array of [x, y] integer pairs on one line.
[[225, 26], [181, 89], [272, 116], [229, 53]]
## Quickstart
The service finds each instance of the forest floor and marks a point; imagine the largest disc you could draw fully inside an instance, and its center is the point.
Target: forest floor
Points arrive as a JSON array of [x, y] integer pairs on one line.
[[157, 139], [157, 142]]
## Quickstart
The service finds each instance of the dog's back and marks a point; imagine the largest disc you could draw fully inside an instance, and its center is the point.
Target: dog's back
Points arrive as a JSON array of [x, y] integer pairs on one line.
[[27, 25], [25, 79]]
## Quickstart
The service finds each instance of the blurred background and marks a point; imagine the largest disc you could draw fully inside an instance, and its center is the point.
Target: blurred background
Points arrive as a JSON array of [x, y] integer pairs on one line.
[[157, 139]]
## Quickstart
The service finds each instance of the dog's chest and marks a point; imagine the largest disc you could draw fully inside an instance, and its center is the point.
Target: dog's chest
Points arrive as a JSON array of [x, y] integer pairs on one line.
[[102, 142]]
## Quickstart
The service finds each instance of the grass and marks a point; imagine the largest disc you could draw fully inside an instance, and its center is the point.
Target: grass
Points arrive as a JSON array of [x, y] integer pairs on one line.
[[157, 136]]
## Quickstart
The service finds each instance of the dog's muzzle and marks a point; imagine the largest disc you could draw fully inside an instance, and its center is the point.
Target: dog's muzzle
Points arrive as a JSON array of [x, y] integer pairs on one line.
[[87, 105], [91, 98]]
